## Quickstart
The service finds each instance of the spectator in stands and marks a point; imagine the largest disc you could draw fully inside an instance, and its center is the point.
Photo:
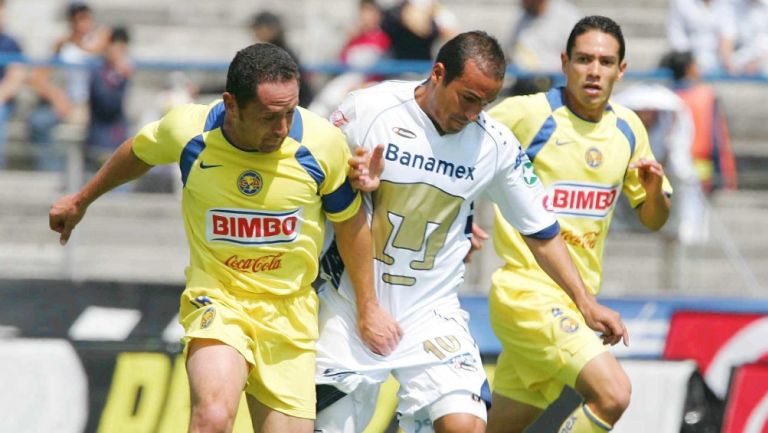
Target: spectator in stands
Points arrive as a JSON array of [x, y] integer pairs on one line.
[[414, 26], [81, 47], [746, 52], [366, 45], [268, 27], [11, 78], [701, 27], [108, 126], [537, 38], [713, 157], [367, 42]]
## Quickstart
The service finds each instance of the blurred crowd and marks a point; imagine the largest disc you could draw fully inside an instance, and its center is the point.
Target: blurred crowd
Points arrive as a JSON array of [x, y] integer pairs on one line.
[[86, 82]]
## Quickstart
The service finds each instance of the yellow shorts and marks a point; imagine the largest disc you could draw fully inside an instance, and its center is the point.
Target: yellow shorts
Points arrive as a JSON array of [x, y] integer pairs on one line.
[[545, 341], [275, 334]]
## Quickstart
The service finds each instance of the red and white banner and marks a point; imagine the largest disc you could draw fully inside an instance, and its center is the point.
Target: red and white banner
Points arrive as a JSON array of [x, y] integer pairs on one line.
[[747, 409], [718, 342]]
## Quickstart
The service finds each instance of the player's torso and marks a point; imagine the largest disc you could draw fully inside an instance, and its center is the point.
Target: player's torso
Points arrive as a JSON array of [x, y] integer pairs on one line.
[[422, 209], [252, 217], [582, 165]]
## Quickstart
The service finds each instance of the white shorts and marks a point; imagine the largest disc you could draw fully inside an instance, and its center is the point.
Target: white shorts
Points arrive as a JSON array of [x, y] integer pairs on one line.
[[435, 357]]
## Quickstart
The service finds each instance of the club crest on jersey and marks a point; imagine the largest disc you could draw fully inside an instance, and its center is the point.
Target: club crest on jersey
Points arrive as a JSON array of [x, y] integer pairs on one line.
[[208, 317], [247, 227], [569, 325], [593, 157], [250, 182], [529, 175], [581, 199]]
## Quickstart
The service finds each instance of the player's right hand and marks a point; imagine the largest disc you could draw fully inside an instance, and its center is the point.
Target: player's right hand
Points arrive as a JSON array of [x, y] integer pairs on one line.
[[378, 330], [476, 241], [365, 168], [64, 215], [607, 322]]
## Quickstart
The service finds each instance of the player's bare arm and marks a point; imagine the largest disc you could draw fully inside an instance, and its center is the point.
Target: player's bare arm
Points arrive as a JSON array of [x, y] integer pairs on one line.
[[376, 327], [476, 241], [654, 211], [123, 166], [365, 168], [553, 257]]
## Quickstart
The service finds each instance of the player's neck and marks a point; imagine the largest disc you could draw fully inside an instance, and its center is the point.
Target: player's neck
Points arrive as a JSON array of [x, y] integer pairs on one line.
[[581, 111], [230, 134], [421, 94]]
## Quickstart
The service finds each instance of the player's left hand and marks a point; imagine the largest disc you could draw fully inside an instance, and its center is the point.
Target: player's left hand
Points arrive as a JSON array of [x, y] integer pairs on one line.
[[607, 322], [478, 236], [650, 173], [366, 168]]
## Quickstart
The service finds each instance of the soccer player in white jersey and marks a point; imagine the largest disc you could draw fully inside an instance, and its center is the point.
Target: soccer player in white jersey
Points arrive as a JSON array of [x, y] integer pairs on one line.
[[586, 150], [442, 152]]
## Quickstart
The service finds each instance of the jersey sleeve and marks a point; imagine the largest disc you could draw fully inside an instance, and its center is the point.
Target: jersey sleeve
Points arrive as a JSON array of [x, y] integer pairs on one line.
[[340, 201], [162, 141], [519, 194], [632, 187], [345, 118]]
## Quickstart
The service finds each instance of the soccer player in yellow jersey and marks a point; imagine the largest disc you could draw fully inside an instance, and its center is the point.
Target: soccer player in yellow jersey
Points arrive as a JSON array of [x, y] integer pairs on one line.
[[260, 176], [586, 151]]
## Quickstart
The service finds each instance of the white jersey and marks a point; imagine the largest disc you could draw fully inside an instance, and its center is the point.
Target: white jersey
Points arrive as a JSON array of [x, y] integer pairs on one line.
[[422, 211]]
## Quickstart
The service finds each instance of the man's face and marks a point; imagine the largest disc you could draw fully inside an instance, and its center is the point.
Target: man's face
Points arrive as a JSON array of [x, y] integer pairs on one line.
[[263, 123], [591, 69], [82, 22], [459, 102]]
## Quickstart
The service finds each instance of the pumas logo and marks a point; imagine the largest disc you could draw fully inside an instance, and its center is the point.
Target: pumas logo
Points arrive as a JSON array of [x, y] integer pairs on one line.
[[593, 157], [581, 199], [249, 182], [247, 227], [403, 132]]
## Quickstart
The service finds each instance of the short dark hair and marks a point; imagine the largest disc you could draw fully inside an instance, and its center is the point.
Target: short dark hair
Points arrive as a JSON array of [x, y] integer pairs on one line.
[[596, 22], [119, 34], [476, 45], [76, 7], [258, 63], [677, 62]]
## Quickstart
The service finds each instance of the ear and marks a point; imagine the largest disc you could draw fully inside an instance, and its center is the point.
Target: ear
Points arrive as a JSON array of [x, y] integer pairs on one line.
[[438, 73], [622, 68], [563, 60], [230, 103]]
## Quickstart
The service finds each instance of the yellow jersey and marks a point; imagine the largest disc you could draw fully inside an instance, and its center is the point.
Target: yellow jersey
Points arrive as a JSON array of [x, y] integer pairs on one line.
[[254, 221], [583, 166]]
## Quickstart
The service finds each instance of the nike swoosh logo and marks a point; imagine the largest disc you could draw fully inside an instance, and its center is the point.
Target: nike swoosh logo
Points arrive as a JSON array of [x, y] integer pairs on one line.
[[205, 166], [562, 142]]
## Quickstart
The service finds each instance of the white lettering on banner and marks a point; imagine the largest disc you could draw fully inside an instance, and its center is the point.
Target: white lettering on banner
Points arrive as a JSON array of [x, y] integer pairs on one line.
[[248, 227], [581, 199], [45, 388]]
